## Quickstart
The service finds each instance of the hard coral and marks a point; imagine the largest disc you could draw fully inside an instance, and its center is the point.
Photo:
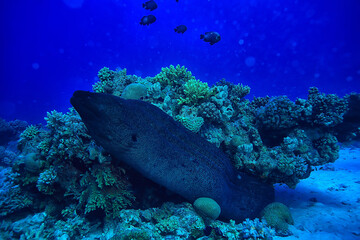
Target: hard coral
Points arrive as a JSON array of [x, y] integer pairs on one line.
[[278, 216], [173, 76], [195, 91], [327, 110], [134, 91], [106, 189], [207, 208], [192, 123]]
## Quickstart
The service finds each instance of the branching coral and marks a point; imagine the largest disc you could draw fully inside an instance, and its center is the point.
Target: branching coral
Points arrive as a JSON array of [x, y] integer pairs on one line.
[[173, 76], [195, 91], [105, 189], [12, 199]]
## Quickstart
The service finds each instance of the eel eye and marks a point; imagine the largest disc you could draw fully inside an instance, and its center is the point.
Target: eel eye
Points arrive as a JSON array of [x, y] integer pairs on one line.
[[134, 137]]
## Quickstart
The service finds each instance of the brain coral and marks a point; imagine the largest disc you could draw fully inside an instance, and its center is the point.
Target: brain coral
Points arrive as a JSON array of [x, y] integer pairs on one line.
[[278, 216], [207, 207]]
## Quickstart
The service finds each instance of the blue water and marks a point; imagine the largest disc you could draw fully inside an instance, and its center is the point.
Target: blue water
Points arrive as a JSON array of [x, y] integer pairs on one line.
[[51, 48]]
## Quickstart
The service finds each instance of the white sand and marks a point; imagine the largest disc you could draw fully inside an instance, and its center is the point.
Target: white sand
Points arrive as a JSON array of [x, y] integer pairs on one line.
[[327, 204]]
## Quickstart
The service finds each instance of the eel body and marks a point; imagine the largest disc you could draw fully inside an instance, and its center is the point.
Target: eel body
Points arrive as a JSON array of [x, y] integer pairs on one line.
[[161, 149]]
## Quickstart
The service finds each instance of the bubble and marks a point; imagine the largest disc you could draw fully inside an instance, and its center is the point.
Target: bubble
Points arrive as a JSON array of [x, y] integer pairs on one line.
[[250, 61], [35, 66], [241, 41], [349, 78]]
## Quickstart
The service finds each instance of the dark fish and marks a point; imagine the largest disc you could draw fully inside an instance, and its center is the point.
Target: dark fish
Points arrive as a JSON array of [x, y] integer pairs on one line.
[[161, 149], [180, 29], [150, 5], [147, 20], [211, 37]]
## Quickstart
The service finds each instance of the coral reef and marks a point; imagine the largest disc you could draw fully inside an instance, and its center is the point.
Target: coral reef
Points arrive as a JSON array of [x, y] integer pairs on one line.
[[168, 222], [9, 131], [60, 179], [60, 164]]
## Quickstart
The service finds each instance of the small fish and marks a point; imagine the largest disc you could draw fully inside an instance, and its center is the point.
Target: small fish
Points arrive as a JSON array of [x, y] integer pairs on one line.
[[150, 5], [211, 37], [147, 20], [180, 29], [177, 0]]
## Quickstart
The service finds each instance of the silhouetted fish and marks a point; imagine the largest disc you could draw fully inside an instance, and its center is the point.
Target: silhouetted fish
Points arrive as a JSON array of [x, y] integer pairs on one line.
[[210, 37], [147, 20], [161, 149], [180, 29], [150, 5]]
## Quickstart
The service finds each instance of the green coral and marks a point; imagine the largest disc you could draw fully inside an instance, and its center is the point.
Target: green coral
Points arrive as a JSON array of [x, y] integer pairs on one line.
[[29, 134], [195, 91], [173, 76], [105, 189]]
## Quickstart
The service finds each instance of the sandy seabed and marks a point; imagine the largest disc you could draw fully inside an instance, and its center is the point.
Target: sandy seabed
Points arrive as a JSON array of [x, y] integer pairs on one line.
[[327, 204]]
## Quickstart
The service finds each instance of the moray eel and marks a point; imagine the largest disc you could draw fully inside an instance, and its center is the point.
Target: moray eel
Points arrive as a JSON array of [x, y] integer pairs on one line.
[[161, 149]]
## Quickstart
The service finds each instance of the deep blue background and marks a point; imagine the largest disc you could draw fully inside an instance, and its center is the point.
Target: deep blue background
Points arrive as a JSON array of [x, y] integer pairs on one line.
[[51, 48]]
